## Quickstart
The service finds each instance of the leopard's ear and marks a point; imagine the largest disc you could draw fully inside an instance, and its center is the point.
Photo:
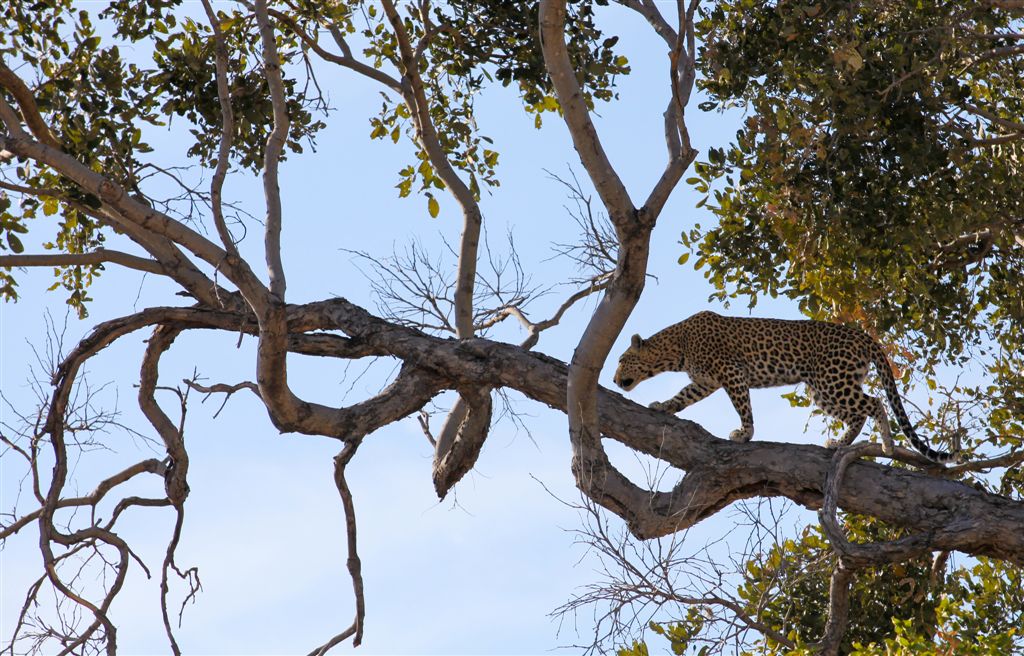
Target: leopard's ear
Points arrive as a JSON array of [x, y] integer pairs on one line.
[[636, 342]]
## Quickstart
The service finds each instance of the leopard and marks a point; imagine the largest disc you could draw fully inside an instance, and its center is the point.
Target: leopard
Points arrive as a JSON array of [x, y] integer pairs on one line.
[[741, 353]]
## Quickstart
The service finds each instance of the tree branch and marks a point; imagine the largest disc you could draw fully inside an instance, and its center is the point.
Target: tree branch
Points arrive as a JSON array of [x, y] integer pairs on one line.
[[649, 10], [346, 59], [353, 564], [147, 226], [226, 134], [1013, 126], [27, 103], [469, 244], [151, 466], [719, 471], [272, 152], [577, 117], [98, 256]]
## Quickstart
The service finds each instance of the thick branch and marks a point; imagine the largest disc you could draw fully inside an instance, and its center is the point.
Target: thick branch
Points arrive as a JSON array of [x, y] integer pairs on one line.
[[838, 610], [147, 225], [577, 117], [176, 481], [459, 443], [595, 475], [949, 514], [719, 472], [407, 394]]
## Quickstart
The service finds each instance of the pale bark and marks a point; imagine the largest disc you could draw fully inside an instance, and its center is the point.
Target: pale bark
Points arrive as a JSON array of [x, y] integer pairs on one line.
[[272, 153], [940, 514], [947, 514], [594, 473], [99, 256]]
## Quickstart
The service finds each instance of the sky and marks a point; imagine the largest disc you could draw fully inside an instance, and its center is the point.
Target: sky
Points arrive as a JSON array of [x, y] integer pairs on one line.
[[480, 572]]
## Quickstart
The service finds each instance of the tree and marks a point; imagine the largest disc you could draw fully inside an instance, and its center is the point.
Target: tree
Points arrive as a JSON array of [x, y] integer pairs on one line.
[[245, 80]]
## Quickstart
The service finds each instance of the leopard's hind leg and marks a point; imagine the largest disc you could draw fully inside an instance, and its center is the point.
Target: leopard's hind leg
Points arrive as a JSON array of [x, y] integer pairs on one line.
[[842, 397]]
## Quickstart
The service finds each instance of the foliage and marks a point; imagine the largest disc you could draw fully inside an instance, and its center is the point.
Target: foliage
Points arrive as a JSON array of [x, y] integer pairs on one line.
[[978, 608], [680, 636], [878, 179], [881, 139], [155, 59], [473, 44]]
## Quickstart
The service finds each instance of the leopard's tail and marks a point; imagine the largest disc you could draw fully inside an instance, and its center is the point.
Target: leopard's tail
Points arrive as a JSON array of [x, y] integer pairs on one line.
[[891, 391]]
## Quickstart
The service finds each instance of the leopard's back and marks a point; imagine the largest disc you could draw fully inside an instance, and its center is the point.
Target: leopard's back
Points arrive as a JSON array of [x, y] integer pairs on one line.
[[771, 352]]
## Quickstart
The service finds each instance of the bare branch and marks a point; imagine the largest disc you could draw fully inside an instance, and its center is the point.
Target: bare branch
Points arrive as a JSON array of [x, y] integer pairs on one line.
[[535, 329], [151, 466], [597, 251], [98, 256], [411, 288], [226, 134], [272, 153], [644, 580], [27, 103], [221, 388], [346, 59], [354, 565], [649, 10]]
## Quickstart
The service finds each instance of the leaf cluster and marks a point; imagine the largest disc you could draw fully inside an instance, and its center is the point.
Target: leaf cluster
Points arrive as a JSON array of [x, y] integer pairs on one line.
[[469, 45], [976, 609], [861, 176], [183, 78], [103, 90]]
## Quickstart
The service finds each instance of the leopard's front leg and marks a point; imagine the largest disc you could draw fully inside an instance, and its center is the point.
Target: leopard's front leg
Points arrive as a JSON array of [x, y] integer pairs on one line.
[[740, 397], [686, 397]]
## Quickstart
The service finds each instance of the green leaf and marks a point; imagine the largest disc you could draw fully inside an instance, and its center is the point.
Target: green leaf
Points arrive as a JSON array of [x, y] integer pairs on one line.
[[14, 242], [433, 207]]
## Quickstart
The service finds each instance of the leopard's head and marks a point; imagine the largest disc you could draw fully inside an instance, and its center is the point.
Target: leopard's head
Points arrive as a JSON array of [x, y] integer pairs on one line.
[[637, 363]]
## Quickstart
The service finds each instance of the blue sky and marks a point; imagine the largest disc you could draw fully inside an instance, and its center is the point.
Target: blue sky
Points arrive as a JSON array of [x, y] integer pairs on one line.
[[479, 573]]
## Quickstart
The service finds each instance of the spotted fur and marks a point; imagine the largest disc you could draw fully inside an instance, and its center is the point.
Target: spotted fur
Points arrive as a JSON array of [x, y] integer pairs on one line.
[[740, 354]]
